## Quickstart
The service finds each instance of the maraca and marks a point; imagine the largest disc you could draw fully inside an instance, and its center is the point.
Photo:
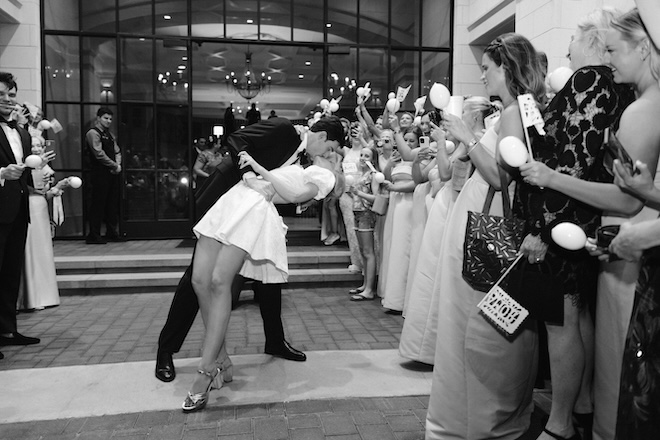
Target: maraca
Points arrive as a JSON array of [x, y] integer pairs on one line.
[[75, 182], [391, 95], [33, 161], [450, 146], [393, 105], [44, 125], [350, 179], [324, 103], [559, 77], [513, 151], [379, 177], [569, 236], [439, 95]]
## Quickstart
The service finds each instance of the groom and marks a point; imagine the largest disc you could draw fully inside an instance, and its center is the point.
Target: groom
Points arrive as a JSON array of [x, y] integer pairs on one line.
[[272, 143]]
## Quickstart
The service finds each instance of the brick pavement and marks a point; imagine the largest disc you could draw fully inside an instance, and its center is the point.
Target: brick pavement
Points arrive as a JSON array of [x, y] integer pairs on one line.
[[377, 418], [86, 330], [338, 419]]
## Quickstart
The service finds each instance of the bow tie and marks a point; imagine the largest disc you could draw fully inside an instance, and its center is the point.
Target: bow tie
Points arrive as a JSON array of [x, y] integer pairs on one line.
[[10, 124]]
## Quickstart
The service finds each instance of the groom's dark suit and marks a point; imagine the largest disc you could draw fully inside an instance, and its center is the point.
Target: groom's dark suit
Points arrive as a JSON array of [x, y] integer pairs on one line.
[[270, 143], [14, 217]]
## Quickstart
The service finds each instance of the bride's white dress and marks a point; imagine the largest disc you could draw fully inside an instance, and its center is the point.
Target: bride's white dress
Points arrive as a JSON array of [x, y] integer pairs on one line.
[[244, 218]]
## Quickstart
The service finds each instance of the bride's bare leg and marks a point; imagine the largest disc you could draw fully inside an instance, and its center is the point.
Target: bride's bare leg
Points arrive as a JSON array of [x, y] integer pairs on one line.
[[214, 268]]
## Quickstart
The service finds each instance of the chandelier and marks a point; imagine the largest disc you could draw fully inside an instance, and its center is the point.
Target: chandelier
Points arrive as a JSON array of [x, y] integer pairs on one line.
[[248, 85]]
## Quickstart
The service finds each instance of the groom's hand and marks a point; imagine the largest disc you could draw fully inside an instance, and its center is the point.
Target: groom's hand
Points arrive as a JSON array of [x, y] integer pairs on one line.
[[263, 187]]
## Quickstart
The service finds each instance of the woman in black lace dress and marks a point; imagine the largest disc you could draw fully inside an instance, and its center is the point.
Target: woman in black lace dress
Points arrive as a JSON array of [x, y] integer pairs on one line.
[[575, 121]]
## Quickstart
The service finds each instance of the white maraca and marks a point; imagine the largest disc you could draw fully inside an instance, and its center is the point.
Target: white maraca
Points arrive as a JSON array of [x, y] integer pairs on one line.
[[75, 182], [513, 151], [379, 177], [559, 77], [350, 180], [569, 236], [33, 161], [439, 95], [393, 105]]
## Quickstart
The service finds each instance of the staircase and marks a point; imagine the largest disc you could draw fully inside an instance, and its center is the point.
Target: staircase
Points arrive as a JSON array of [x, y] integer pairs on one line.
[[310, 264]]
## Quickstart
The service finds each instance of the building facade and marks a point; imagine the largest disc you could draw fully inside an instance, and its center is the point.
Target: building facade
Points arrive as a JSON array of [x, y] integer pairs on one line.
[[170, 69]]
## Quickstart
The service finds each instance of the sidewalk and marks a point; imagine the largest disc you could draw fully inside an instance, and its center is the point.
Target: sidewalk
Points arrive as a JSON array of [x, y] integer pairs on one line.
[[92, 375]]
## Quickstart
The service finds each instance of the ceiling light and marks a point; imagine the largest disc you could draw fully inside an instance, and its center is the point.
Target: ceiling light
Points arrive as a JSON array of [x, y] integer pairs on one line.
[[248, 85], [328, 25], [167, 17], [250, 21], [181, 66], [308, 63], [301, 76]]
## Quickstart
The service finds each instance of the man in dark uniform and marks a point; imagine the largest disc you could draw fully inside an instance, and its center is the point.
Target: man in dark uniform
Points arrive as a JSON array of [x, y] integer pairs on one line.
[[272, 143], [105, 163], [15, 146]]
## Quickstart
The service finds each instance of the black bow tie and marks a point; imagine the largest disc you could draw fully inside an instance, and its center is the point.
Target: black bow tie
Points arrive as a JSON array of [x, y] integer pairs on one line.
[[11, 124]]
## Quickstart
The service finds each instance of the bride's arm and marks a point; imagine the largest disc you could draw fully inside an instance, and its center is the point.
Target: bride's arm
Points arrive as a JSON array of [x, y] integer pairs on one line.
[[289, 192]]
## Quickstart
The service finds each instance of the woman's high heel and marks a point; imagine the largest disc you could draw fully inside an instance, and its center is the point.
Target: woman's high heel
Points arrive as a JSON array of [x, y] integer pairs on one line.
[[227, 369], [198, 401]]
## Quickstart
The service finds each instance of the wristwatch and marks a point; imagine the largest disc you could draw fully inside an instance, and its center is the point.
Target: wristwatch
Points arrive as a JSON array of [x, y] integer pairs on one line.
[[472, 144]]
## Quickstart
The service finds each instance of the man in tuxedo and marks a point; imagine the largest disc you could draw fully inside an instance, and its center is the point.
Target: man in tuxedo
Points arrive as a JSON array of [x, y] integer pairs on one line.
[[272, 143], [15, 146]]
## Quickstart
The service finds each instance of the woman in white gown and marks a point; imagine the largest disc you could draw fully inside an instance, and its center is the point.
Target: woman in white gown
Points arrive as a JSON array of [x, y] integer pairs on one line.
[[418, 336], [482, 381], [243, 233], [397, 232], [39, 281]]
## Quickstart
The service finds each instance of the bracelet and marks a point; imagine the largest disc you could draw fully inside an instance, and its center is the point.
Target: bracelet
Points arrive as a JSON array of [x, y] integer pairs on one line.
[[472, 145]]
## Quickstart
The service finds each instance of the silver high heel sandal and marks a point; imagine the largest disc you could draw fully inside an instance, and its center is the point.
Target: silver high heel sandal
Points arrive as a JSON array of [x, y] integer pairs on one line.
[[226, 369], [198, 401]]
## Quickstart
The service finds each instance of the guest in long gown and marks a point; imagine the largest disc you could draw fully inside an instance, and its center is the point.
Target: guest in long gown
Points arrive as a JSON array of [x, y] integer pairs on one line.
[[39, 281], [483, 381], [639, 400], [423, 162], [575, 121], [639, 397], [418, 337], [243, 234], [397, 230], [634, 61]]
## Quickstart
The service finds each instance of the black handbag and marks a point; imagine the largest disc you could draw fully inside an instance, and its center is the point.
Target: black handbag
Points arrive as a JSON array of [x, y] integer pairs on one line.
[[491, 242], [535, 288]]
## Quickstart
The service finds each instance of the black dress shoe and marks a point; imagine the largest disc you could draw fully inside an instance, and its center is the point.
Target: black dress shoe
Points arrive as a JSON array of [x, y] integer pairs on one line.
[[165, 367], [286, 351], [18, 339]]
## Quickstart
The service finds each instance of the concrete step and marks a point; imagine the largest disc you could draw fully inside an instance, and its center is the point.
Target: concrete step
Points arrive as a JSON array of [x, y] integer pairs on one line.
[[71, 265], [102, 274], [105, 283]]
